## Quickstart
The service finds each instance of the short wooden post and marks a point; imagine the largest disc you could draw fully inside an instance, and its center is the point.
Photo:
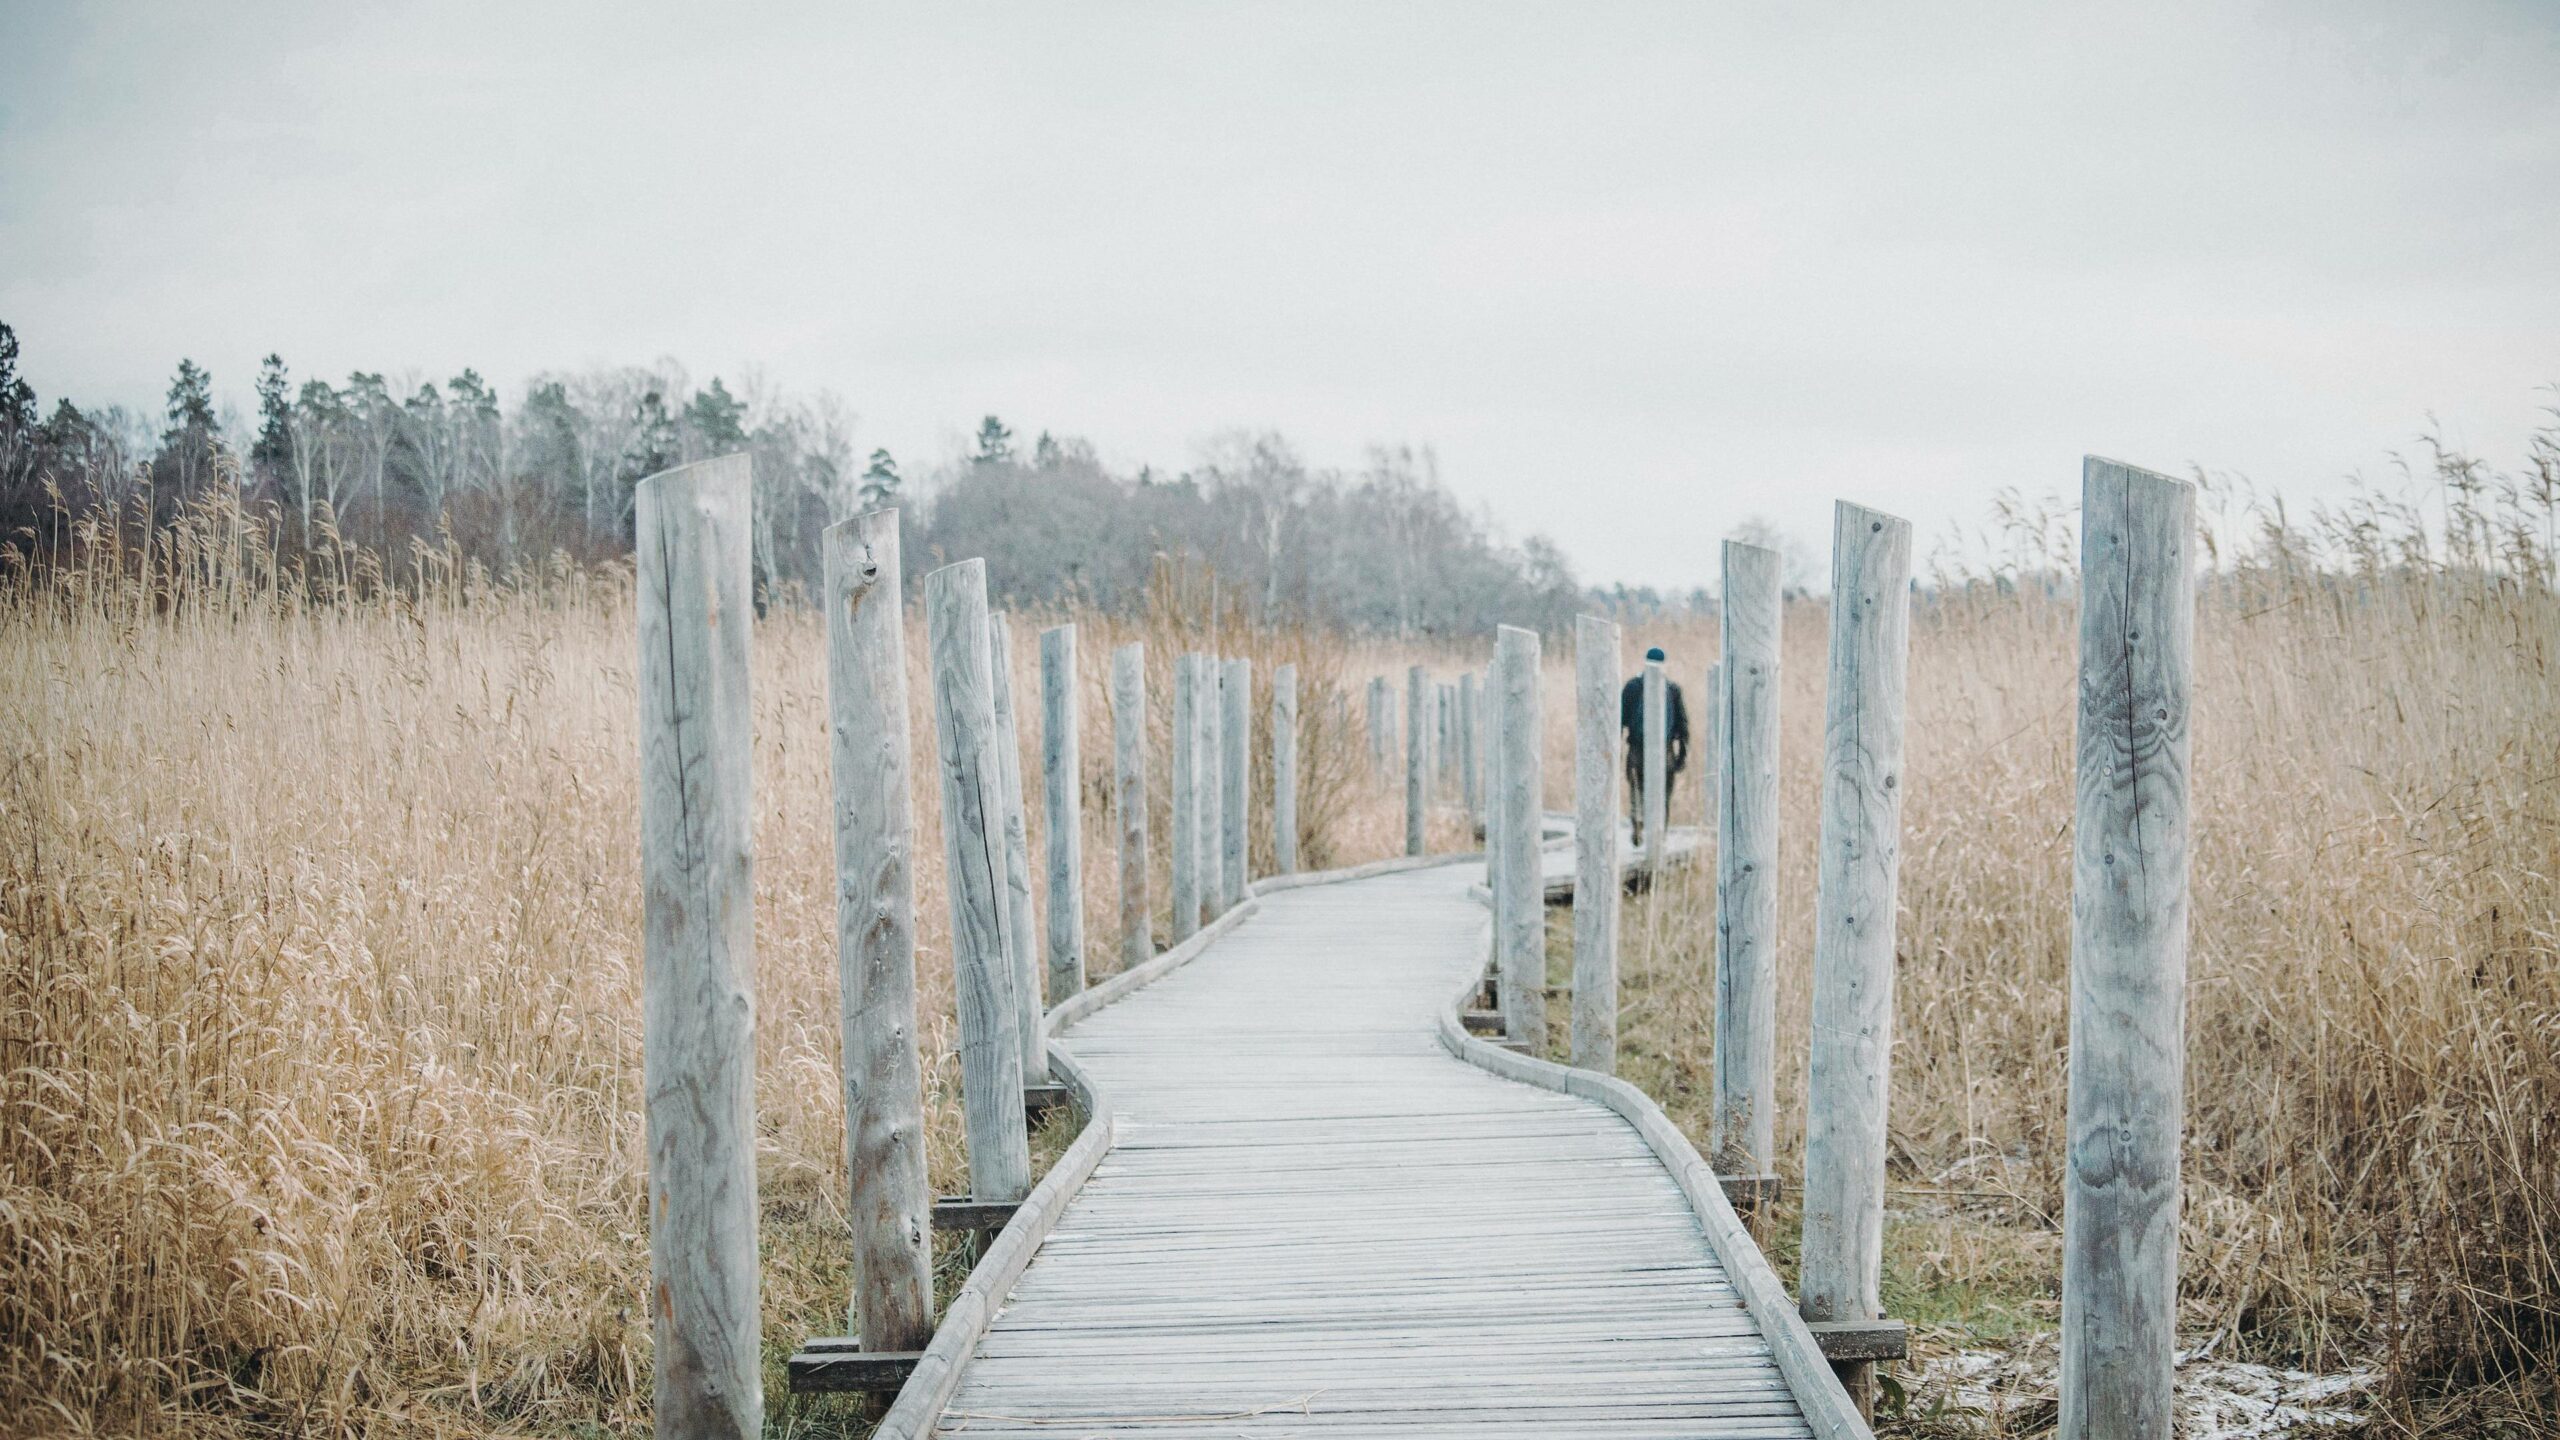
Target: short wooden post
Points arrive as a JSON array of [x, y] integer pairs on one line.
[[1062, 791], [1747, 868], [1129, 764], [1185, 860], [1376, 716], [1021, 928], [1284, 770], [1521, 926], [698, 1019], [966, 739], [1595, 844], [1711, 764], [1417, 761], [1853, 936], [1657, 748], [1235, 806], [1207, 773], [2128, 954], [890, 1201], [1470, 775]]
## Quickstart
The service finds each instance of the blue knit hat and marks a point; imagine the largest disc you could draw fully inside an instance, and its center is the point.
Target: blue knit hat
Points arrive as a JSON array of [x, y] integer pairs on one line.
[[1654, 654]]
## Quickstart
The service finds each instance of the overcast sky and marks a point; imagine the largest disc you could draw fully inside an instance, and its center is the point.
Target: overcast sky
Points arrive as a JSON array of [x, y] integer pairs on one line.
[[1636, 272]]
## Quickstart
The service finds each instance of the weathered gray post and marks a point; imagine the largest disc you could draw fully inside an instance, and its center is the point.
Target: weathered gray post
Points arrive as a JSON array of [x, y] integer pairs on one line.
[[890, 1202], [1444, 736], [1747, 867], [1595, 844], [1520, 926], [698, 1021], [982, 972], [1129, 762], [1417, 760], [1377, 725], [2128, 954], [1021, 928], [1235, 806], [1062, 793], [1185, 860], [1853, 933], [1206, 777], [1711, 767], [1470, 776], [1284, 770], [1657, 774]]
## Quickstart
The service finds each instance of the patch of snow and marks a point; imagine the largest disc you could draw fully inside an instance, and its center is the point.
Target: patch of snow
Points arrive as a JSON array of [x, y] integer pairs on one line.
[[2217, 1400]]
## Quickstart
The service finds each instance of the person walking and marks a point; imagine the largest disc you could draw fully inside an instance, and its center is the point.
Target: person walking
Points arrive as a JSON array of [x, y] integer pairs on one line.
[[1675, 746]]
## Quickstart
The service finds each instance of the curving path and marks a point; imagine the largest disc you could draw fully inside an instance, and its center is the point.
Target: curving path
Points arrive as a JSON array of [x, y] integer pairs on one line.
[[1318, 1221]]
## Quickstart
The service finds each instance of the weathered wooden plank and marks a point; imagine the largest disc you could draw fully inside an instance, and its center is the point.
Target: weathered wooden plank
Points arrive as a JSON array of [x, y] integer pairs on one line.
[[1860, 1342], [965, 740], [1520, 924], [2128, 954], [1129, 771], [1746, 1083], [697, 862], [876, 931], [1235, 774], [1595, 841], [1284, 770], [1062, 797], [1021, 927], [824, 1368]]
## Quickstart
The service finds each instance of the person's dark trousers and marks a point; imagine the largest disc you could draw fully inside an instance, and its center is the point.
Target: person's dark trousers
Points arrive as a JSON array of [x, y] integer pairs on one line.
[[1635, 793]]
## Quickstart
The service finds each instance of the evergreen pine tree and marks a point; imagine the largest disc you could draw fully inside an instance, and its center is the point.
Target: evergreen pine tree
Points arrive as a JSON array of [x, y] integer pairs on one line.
[[880, 481], [995, 443]]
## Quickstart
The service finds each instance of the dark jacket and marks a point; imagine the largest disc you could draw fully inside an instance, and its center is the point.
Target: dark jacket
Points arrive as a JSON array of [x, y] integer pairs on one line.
[[1675, 757]]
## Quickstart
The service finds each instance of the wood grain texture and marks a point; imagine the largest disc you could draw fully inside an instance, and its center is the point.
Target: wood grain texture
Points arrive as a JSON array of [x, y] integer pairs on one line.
[[1596, 660], [1520, 916], [1284, 770], [1470, 769], [1656, 759], [1021, 925], [965, 741], [2128, 954], [1417, 761], [1129, 796], [1747, 866], [1853, 943], [1208, 765], [697, 861], [1062, 808], [1184, 863], [1235, 773], [1711, 763], [868, 733]]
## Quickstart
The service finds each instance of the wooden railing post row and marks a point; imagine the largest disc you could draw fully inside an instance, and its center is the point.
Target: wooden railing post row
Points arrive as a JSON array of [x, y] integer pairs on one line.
[[1185, 859], [1021, 928], [1747, 868], [2128, 954], [697, 860], [1520, 924], [1207, 765], [1657, 775], [1235, 805], [1062, 810], [1417, 761], [1853, 940], [1595, 844], [982, 970], [889, 1202], [1129, 764], [1284, 770]]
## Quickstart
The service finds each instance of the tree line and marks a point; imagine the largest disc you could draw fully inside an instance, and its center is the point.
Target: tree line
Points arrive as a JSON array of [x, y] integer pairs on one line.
[[387, 464]]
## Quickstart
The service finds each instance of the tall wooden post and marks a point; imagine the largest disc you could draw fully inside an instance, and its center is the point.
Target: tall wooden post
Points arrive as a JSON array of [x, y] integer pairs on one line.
[[1235, 806], [1207, 769], [982, 971], [2128, 954], [1520, 927], [890, 1202], [1062, 793], [1595, 844], [1747, 868], [1021, 928], [1470, 775], [1657, 774], [698, 1020], [1185, 860], [1417, 760], [1284, 770], [1852, 1042], [1129, 764], [1711, 765]]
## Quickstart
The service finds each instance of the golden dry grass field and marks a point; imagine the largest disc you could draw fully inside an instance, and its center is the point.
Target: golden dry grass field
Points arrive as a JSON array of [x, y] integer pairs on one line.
[[320, 1021]]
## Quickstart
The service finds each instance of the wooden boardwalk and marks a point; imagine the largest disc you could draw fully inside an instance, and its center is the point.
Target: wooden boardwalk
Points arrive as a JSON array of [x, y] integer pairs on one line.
[[1316, 1219]]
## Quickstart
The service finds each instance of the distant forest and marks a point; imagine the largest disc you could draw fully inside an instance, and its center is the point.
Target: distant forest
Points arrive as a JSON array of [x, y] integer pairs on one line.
[[390, 465]]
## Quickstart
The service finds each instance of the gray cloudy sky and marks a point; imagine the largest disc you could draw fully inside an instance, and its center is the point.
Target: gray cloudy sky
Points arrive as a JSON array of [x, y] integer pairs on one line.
[[1635, 271]]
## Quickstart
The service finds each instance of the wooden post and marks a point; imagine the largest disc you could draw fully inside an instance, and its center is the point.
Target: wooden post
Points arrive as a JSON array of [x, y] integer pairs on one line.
[[1417, 761], [1470, 777], [1284, 770], [1520, 926], [1377, 722], [1062, 790], [1497, 879], [2128, 954], [1657, 775], [1021, 928], [1185, 860], [1747, 868], [1235, 807], [982, 972], [1129, 762], [1853, 933], [1207, 769], [890, 1202], [1711, 766], [1595, 844], [698, 1018]]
